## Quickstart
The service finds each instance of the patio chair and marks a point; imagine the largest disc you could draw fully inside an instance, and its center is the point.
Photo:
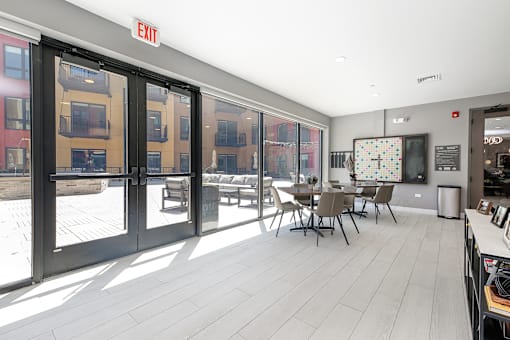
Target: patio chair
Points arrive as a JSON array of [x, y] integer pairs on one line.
[[283, 207]]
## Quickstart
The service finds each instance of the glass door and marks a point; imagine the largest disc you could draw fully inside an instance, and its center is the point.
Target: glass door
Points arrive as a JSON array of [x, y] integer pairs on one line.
[[164, 158], [116, 147]]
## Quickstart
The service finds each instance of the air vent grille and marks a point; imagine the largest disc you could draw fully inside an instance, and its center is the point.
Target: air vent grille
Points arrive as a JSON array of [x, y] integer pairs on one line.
[[426, 79]]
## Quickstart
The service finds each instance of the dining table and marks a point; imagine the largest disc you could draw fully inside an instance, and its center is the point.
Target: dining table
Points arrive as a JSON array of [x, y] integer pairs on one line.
[[305, 193]]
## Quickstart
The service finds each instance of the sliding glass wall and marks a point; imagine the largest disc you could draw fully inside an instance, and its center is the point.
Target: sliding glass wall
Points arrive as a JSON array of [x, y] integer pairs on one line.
[[309, 153], [229, 163], [280, 154], [15, 161]]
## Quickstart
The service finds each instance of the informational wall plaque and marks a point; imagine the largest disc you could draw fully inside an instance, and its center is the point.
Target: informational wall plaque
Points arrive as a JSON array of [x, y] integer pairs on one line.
[[447, 158]]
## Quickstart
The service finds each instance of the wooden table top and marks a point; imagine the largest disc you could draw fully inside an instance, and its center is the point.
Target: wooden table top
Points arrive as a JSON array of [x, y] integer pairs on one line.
[[306, 192]]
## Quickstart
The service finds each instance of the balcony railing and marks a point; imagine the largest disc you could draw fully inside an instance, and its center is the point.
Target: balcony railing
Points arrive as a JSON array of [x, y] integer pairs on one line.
[[70, 127], [157, 135], [74, 78], [230, 140], [157, 94]]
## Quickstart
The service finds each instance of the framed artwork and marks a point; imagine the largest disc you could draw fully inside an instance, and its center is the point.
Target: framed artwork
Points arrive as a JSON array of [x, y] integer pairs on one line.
[[500, 215], [484, 207], [506, 232], [503, 160]]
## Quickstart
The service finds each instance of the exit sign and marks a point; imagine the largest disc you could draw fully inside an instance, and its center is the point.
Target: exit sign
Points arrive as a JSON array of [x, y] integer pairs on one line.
[[145, 32]]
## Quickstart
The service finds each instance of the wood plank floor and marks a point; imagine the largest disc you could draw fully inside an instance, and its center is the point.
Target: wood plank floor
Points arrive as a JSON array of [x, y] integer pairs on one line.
[[394, 281]]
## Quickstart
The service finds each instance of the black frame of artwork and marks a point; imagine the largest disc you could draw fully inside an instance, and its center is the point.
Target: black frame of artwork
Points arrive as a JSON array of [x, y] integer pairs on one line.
[[405, 179]]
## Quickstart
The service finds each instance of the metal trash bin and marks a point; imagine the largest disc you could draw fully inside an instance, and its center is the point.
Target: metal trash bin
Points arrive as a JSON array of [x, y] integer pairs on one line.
[[448, 201]]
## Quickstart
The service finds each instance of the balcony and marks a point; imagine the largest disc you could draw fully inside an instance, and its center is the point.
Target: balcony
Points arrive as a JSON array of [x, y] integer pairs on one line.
[[157, 94], [72, 127], [230, 140], [157, 134], [75, 78]]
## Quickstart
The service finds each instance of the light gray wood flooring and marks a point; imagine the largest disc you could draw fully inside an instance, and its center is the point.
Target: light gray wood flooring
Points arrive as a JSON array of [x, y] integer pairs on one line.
[[394, 281]]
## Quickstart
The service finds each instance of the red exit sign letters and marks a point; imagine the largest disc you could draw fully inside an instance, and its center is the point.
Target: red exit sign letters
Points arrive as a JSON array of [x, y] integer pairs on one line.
[[145, 32]]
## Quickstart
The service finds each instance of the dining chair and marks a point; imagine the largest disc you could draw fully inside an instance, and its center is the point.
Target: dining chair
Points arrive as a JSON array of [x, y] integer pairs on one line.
[[284, 207], [383, 195], [331, 204], [304, 202], [349, 208]]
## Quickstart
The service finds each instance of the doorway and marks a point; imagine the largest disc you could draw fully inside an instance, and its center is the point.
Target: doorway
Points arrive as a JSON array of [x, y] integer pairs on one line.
[[113, 141], [490, 155]]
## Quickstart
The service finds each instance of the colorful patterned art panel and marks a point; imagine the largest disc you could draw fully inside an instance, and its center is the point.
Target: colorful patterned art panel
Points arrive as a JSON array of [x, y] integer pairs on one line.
[[378, 159]]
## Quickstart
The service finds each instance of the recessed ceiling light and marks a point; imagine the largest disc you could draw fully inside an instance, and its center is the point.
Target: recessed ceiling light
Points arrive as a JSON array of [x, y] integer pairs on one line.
[[248, 118], [89, 81], [207, 126], [498, 118], [340, 59], [376, 94]]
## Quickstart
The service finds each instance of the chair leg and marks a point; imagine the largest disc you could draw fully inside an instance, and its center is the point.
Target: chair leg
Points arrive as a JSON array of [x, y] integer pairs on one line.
[[342, 228], [352, 219], [394, 219], [375, 210], [276, 214], [294, 217], [279, 224], [363, 209], [317, 232], [301, 219]]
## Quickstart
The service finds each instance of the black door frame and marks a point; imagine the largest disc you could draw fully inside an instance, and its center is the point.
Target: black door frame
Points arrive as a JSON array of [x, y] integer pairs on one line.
[[66, 258]]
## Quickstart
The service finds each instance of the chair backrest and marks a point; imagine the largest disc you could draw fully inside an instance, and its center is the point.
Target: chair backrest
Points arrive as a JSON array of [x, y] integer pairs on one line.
[[276, 197], [383, 194], [331, 204], [327, 185], [349, 201]]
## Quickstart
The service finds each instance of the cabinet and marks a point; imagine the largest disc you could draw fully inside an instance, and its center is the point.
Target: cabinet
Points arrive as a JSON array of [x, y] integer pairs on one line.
[[483, 242]]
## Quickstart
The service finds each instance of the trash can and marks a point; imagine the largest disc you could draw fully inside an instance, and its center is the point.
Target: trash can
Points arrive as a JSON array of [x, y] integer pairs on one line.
[[448, 201]]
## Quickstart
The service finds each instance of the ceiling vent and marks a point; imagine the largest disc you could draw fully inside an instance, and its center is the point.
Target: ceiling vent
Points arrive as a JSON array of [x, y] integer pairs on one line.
[[428, 79]]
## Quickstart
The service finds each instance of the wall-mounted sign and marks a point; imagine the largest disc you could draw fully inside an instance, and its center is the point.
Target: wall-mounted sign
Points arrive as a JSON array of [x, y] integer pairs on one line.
[[447, 158], [145, 32], [492, 140]]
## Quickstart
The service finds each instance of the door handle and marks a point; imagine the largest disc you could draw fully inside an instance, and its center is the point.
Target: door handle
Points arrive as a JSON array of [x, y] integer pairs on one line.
[[143, 175], [133, 176]]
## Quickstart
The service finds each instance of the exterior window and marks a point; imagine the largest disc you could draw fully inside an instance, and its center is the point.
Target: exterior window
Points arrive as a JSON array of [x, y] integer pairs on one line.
[[153, 125], [227, 164], [305, 135], [254, 134], [305, 158], [15, 159], [16, 62], [17, 113], [88, 160], [184, 128], [88, 120], [283, 133], [227, 133], [153, 161], [184, 163], [88, 76]]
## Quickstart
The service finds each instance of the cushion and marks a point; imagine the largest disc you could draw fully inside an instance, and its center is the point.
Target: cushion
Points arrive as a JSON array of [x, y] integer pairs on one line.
[[211, 178], [226, 179], [238, 180], [268, 181], [176, 183], [251, 180]]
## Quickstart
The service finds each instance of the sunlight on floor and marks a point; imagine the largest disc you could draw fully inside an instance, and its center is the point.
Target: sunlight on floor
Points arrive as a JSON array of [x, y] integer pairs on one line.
[[68, 279], [214, 242], [143, 268], [38, 305]]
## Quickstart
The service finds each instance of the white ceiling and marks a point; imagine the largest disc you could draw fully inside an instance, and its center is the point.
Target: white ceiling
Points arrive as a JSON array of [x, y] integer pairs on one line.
[[290, 46]]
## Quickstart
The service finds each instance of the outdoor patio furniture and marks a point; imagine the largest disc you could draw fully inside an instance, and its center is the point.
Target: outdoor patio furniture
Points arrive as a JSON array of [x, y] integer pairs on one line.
[[176, 189], [252, 193], [230, 186]]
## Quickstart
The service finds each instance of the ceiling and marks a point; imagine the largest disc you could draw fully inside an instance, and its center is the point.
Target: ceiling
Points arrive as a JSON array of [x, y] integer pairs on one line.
[[290, 46]]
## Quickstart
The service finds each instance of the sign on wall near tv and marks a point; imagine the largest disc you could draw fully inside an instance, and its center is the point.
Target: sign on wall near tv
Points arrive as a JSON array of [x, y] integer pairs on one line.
[[400, 159]]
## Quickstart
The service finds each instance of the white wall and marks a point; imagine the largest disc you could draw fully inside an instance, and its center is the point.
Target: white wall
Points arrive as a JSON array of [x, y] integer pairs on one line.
[[434, 119]]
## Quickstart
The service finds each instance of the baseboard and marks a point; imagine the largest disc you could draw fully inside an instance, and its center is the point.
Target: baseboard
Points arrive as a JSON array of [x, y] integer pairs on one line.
[[420, 210]]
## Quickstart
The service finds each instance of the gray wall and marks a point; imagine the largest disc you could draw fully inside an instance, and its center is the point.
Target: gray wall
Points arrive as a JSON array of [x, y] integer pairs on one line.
[[61, 20], [434, 119]]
